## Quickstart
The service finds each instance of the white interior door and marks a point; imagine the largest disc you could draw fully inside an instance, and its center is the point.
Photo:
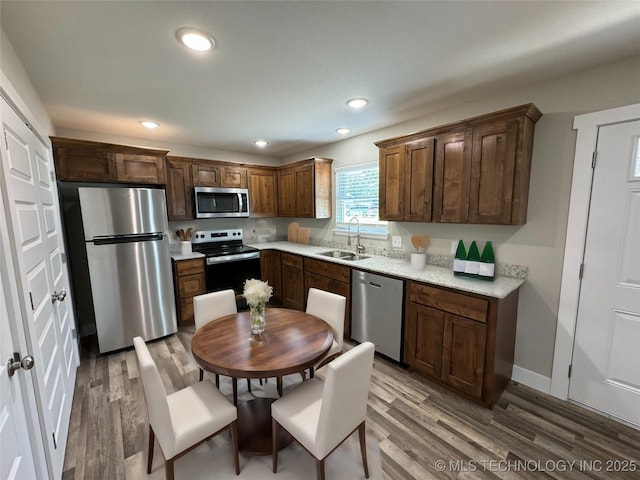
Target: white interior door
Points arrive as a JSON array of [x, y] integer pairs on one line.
[[606, 355], [16, 458], [32, 205]]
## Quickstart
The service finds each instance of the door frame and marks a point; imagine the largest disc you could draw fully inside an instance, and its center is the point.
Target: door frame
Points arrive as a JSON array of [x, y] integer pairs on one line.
[[587, 127]]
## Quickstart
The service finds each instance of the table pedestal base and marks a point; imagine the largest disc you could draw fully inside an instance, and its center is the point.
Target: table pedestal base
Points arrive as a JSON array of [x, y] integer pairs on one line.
[[254, 427]]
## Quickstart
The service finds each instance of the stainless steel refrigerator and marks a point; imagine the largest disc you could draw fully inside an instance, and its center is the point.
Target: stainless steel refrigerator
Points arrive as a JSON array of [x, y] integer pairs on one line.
[[125, 233]]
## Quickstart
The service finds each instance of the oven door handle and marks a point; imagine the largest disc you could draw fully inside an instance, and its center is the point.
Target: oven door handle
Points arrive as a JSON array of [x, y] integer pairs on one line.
[[232, 258]]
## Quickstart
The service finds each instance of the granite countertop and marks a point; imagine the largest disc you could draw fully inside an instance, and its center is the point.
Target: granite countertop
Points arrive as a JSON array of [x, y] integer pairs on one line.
[[186, 256], [500, 287]]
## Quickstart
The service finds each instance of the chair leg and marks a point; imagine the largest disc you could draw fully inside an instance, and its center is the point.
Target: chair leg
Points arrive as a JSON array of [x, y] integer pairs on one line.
[[168, 465], [260, 381], [217, 381], [363, 448], [234, 383], [311, 372], [279, 386], [201, 374], [320, 469], [152, 441], [234, 441], [274, 443], [249, 385]]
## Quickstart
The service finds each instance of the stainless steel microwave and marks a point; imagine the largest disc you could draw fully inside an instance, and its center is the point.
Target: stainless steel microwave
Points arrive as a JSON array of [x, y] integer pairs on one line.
[[215, 202]]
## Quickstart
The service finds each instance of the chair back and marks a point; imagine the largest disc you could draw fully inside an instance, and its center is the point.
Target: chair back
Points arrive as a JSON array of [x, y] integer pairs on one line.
[[330, 307], [210, 306], [155, 396], [344, 396]]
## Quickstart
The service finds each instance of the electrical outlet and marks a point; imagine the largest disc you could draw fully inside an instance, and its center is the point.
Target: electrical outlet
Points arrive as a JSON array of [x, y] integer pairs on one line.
[[396, 241]]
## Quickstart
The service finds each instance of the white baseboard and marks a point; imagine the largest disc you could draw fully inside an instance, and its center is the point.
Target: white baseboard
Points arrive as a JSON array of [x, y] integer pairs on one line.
[[531, 379]]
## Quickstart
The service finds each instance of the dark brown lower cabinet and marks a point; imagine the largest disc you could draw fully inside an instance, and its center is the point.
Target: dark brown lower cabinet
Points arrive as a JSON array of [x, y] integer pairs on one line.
[[188, 281], [292, 281], [271, 272], [330, 277], [461, 340]]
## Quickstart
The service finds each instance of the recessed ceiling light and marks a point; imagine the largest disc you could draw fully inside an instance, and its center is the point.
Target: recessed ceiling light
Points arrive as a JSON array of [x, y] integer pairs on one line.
[[261, 143], [195, 39], [149, 124], [357, 102], [343, 131]]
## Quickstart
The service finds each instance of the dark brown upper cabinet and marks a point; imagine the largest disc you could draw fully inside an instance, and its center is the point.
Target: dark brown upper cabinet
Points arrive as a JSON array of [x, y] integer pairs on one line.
[[473, 171]]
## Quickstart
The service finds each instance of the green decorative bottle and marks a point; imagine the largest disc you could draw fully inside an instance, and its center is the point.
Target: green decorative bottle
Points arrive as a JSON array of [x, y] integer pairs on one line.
[[460, 259], [487, 263], [472, 266]]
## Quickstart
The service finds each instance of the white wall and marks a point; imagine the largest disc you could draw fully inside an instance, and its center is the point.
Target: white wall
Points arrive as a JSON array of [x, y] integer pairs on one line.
[[15, 82], [539, 244]]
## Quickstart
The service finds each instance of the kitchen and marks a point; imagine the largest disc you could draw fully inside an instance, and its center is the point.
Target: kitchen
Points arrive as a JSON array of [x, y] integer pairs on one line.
[[538, 244]]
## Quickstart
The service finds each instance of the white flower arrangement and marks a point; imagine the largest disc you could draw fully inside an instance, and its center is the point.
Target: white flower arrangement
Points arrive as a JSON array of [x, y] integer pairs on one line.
[[257, 293]]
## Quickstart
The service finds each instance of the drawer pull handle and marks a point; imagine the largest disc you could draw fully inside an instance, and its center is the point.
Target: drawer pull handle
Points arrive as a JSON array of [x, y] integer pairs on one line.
[[374, 285]]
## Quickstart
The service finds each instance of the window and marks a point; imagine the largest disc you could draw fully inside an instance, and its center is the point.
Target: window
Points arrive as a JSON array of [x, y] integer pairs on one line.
[[357, 196]]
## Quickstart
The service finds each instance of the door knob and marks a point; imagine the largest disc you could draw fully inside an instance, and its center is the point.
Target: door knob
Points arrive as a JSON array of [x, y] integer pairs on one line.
[[15, 363], [58, 296]]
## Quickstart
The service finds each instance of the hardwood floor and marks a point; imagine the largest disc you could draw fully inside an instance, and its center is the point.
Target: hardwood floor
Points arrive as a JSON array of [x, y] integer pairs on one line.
[[425, 432]]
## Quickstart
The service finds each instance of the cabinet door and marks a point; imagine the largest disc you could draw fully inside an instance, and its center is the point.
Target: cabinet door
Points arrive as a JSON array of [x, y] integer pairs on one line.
[[232, 176], [418, 184], [391, 193], [305, 193], [83, 161], [286, 193], [292, 287], [263, 192], [179, 191], [204, 175], [423, 339], [452, 177], [312, 280], [463, 354], [271, 272], [493, 165], [136, 168]]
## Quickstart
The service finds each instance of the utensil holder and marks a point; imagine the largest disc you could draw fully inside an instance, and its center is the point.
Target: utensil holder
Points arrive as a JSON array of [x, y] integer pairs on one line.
[[418, 261], [185, 248]]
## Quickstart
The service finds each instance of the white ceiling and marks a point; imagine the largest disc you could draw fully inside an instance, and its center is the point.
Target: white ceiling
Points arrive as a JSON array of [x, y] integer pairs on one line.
[[283, 70]]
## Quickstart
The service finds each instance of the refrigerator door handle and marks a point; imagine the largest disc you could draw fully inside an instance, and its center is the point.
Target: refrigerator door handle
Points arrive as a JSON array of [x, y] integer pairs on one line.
[[150, 237]]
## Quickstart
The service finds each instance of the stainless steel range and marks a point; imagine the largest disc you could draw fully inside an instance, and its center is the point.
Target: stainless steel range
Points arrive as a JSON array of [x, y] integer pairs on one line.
[[228, 261]]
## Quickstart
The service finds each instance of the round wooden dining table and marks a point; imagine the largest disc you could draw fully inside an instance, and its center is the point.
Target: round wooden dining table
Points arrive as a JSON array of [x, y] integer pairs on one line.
[[292, 342]]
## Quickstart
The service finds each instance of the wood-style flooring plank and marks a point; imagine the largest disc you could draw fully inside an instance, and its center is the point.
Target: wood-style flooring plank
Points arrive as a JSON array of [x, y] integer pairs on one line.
[[417, 423]]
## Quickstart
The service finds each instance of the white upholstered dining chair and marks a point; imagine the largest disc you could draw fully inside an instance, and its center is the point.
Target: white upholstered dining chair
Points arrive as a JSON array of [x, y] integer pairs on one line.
[[208, 307], [184, 419], [321, 415], [330, 307]]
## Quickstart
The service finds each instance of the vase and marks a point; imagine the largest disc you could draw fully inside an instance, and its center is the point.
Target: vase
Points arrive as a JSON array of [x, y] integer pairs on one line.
[[256, 319]]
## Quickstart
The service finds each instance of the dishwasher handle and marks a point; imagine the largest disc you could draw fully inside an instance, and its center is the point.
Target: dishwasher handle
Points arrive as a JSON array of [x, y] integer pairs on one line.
[[371, 284]]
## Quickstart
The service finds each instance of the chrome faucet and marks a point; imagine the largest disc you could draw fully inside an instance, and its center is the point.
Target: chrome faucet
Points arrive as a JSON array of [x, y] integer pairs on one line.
[[359, 246]]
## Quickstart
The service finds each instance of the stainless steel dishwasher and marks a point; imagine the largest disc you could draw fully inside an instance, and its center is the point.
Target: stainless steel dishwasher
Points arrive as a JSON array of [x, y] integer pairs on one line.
[[376, 312]]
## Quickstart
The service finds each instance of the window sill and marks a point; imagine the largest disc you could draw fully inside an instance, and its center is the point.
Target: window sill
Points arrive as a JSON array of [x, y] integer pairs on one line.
[[372, 235]]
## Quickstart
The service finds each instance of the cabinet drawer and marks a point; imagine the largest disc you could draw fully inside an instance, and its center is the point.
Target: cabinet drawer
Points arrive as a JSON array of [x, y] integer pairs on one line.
[[328, 269], [456, 303], [294, 261], [190, 285], [189, 267]]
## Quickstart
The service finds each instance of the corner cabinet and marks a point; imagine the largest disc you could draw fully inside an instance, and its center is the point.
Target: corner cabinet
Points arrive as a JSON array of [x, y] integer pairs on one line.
[[292, 281], [462, 340], [263, 191], [85, 161], [473, 171], [304, 189]]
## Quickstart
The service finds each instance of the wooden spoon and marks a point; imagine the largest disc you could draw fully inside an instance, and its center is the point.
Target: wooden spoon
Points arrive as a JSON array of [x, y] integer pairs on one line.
[[180, 234], [189, 233]]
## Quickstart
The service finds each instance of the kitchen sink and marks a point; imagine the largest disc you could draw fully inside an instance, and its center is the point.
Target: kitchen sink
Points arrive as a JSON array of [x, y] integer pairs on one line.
[[341, 254]]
